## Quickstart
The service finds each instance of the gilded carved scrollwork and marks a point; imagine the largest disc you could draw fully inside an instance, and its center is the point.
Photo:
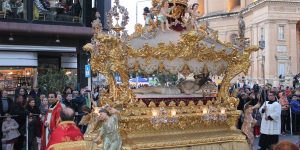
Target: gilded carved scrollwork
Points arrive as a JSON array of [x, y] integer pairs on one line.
[[111, 55]]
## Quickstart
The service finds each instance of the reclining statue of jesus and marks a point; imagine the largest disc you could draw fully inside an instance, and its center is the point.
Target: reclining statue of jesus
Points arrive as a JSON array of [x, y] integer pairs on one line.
[[188, 86]]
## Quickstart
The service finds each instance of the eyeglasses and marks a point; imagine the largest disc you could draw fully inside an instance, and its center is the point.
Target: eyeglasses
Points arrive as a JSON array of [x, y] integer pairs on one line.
[[51, 97]]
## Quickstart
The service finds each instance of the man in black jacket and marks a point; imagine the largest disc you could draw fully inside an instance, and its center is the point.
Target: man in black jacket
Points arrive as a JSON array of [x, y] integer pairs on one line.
[[6, 103], [20, 112]]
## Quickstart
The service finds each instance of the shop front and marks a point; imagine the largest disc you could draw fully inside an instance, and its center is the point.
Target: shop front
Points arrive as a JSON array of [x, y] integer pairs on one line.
[[18, 69], [22, 66]]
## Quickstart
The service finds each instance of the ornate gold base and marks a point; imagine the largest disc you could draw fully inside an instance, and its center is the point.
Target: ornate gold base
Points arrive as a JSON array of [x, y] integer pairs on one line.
[[185, 139]]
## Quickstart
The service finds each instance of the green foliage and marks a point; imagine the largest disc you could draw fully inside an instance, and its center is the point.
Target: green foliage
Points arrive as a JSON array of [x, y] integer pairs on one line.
[[55, 81]]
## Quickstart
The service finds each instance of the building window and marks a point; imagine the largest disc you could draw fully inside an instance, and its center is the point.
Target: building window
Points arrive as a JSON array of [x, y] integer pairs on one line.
[[233, 38], [281, 48], [13, 9], [281, 69], [262, 33], [53, 10], [281, 32]]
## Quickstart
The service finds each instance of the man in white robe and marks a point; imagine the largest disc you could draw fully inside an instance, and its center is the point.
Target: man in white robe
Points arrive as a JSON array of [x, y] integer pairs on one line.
[[271, 122]]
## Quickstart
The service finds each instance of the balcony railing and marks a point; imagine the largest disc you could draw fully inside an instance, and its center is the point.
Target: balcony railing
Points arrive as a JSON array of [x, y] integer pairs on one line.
[[70, 11], [53, 10], [13, 9]]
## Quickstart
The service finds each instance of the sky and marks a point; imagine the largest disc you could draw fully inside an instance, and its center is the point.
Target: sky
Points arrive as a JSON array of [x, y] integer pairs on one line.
[[135, 10]]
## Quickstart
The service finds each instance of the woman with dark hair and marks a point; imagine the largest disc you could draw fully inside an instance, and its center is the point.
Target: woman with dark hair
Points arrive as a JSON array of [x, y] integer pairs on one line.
[[20, 112], [109, 131], [21, 92], [34, 124], [67, 90]]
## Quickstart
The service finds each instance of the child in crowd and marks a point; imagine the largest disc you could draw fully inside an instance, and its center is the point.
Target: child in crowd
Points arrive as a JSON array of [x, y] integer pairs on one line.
[[10, 132]]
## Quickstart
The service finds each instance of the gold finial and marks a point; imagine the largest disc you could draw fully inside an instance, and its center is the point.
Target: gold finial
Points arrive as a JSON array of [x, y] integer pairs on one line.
[[152, 105], [191, 103], [141, 104], [172, 104], [200, 103], [162, 104], [181, 104]]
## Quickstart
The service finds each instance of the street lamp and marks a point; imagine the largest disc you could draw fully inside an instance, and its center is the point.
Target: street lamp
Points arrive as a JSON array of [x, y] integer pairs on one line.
[[262, 46]]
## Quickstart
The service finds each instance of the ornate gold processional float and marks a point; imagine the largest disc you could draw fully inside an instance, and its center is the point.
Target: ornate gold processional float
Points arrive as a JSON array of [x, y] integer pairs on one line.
[[191, 115]]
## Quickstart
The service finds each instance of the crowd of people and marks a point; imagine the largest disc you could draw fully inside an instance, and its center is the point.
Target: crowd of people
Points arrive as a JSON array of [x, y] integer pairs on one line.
[[267, 112], [43, 113]]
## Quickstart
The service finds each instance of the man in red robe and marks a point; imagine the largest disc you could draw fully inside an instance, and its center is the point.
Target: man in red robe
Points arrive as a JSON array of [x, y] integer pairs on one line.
[[52, 118], [66, 131]]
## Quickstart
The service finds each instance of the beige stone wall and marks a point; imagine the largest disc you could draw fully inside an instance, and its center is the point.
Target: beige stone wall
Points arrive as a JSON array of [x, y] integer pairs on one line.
[[216, 6], [279, 54]]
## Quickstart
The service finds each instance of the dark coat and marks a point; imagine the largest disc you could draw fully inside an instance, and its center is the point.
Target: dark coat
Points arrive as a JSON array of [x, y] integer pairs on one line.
[[10, 106]]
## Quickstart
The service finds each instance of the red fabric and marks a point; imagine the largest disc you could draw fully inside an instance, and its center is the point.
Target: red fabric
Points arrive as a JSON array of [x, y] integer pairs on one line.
[[288, 92], [55, 118], [256, 130], [65, 132]]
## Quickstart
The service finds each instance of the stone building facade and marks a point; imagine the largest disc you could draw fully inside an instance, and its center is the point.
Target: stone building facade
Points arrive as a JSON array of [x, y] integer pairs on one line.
[[277, 22]]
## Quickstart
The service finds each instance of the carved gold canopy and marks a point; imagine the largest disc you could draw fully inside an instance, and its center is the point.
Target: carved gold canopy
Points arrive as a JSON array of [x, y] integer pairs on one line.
[[197, 51], [192, 51]]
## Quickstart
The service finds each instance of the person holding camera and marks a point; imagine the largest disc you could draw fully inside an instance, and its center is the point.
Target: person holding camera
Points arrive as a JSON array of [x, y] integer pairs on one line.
[[271, 122]]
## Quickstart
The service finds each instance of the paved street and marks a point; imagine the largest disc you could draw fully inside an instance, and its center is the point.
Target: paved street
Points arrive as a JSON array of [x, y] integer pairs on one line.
[[293, 139]]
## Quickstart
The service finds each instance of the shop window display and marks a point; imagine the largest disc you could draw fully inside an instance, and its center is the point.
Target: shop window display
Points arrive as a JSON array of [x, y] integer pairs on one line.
[[11, 78]]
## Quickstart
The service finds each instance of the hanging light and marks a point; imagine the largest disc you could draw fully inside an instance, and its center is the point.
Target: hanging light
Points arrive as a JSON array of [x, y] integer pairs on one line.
[[57, 39], [11, 38], [68, 72]]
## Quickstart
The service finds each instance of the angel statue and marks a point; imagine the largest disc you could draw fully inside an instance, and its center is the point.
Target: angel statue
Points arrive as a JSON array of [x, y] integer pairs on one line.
[[163, 14], [177, 13], [193, 15], [148, 17], [109, 132]]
